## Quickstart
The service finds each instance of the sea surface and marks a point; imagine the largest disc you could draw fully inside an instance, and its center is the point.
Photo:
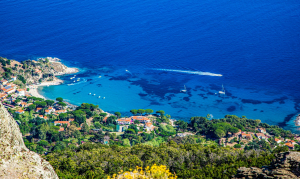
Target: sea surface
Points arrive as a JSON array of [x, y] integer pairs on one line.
[[141, 54]]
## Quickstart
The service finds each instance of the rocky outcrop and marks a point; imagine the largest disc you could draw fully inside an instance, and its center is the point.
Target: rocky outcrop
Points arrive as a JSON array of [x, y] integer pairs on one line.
[[286, 165], [16, 161]]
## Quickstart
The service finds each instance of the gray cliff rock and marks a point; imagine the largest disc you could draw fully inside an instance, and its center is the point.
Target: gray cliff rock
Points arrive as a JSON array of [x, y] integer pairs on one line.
[[285, 165], [16, 161]]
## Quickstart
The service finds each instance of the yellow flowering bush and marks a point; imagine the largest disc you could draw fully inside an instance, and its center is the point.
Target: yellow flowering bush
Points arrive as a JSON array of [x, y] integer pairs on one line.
[[153, 172]]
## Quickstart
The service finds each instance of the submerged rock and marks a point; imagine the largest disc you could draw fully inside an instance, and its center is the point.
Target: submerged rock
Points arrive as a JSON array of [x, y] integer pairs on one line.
[[16, 161]]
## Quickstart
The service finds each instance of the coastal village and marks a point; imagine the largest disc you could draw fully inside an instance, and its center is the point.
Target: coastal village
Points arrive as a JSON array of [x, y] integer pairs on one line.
[[24, 103]]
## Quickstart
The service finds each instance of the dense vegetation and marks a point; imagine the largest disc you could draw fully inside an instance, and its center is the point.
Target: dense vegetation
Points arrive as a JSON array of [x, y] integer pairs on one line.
[[186, 160], [91, 146]]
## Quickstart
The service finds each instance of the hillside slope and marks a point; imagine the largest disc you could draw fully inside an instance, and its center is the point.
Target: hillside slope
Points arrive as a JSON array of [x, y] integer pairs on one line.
[[285, 165], [16, 161]]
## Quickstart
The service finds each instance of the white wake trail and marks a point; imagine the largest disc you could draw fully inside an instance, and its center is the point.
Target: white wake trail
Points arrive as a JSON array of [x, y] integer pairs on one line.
[[188, 72]]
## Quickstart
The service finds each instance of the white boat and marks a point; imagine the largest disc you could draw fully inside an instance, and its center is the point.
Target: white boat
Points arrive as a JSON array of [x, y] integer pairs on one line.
[[90, 93], [184, 90], [78, 79], [223, 90], [99, 76], [103, 97], [99, 96], [74, 81], [94, 94]]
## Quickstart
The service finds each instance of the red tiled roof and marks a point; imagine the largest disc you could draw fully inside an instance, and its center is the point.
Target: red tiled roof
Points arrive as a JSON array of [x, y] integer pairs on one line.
[[124, 120], [289, 144], [260, 134], [148, 124], [140, 118], [20, 111]]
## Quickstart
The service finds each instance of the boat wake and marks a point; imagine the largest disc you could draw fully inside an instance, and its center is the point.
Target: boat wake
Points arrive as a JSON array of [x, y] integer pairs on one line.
[[77, 83], [188, 72]]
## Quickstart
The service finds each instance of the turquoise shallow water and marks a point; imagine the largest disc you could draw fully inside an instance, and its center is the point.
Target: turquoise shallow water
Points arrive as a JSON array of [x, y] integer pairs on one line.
[[255, 45], [123, 92]]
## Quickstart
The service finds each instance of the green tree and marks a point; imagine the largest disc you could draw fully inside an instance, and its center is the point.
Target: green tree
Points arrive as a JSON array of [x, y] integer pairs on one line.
[[62, 104], [49, 102], [219, 133], [148, 111], [59, 99], [63, 116], [118, 114], [237, 146], [161, 112], [97, 125], [85, 127], [141, 111], [134, 111]]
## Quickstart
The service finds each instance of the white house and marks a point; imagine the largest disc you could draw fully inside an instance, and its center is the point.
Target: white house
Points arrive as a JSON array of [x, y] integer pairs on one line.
[[260, 135], [13, 78], [142, 119], [149, 127], [124, 121], [21, 92], [4, 82], [262, 130]]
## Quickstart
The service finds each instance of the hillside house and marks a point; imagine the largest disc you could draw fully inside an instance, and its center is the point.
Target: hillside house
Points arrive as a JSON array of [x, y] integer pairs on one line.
[[61, 123], [238, 133], [20, 111], [246, 136], [262, 130], [38, 109], [3, 95], [4, 82], [13, 78], [290, 145], [21, 92], [23, 104], [277, 140], [260, 135], [149, 127], [141, 119], [47, 111], [61, 111], [184, 134], [124, 121]]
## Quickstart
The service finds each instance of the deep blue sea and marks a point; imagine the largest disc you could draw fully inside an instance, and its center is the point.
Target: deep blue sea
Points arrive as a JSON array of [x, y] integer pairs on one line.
[[164, 45]]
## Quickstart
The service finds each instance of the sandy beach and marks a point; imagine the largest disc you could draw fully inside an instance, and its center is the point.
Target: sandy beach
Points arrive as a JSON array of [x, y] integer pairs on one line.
[[33, 88]]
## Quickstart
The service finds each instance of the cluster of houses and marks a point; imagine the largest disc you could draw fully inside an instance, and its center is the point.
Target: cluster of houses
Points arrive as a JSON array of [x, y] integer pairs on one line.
[[143, 122], [247, 137], [9, 88], [68, 123]]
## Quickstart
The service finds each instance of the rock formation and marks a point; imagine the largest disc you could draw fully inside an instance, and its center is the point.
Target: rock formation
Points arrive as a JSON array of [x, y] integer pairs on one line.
[[286, 165], [16, 161]]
